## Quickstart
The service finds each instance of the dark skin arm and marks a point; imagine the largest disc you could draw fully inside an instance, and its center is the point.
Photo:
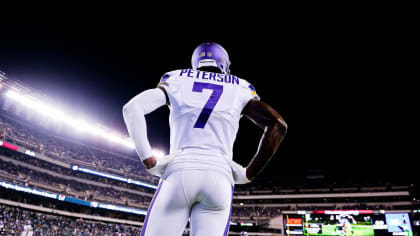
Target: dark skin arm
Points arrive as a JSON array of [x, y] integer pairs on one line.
[[275, 128]]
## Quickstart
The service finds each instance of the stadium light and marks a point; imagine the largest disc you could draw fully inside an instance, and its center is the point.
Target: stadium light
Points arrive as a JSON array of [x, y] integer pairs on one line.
[[77, 124], [158, 153], [36, 105], [12, 94]]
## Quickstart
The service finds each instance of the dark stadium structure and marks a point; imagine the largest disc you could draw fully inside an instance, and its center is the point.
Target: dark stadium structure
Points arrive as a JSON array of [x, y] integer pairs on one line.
[[53, 182]]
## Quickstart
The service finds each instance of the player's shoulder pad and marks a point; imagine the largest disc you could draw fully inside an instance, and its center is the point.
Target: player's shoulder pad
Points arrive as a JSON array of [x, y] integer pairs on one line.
[[164, 79], [249, 87]]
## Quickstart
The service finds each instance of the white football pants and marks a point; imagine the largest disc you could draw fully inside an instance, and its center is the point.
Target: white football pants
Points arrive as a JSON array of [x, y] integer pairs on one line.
[[204, 196]]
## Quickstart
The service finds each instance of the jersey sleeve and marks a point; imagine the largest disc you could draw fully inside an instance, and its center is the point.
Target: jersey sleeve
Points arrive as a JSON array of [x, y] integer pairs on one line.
[[253, 92], [170, 83], [247, 93], [167, 79]]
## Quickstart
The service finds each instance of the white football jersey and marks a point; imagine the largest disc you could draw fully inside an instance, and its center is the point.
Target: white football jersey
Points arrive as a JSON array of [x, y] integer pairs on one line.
[[205, 108]]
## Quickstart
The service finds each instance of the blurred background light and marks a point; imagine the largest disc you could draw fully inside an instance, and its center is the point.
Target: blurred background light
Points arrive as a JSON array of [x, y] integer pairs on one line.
[[158, 153], [78, 125]]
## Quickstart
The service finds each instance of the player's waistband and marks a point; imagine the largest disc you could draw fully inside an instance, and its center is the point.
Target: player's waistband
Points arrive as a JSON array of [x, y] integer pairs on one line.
[[203, 151]]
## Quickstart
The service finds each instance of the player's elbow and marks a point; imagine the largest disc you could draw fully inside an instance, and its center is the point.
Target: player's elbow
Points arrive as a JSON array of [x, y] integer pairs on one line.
[[126, 109], [280, 126], [137, 105], [132, 109]]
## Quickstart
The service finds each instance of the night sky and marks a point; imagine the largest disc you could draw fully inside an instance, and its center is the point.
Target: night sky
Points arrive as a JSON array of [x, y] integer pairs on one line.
[[332, 80]]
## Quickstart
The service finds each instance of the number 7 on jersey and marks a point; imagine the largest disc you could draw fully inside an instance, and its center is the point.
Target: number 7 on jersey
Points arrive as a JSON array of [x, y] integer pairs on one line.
[[210, 104]]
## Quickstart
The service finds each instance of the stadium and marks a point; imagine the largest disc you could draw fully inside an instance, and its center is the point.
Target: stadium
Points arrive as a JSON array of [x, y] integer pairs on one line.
[[53, 182], [63, 172]]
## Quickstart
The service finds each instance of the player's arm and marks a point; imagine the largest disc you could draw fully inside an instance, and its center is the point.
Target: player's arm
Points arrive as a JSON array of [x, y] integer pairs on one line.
[[275, 129], [134, 117]]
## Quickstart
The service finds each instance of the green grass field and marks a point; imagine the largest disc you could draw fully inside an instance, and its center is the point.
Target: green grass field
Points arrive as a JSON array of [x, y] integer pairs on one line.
[[365, 230], [357, 230]]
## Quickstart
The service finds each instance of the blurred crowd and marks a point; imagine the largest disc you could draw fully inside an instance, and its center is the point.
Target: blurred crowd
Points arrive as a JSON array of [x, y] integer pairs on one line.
[[78, 189], [251, 212], [70, 151], [33, 162], [15, 221]]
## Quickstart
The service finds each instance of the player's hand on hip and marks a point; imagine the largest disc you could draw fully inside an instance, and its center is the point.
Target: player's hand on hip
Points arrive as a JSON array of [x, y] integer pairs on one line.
[[239, 173], [160, 165], [149, 162], [157, 165]]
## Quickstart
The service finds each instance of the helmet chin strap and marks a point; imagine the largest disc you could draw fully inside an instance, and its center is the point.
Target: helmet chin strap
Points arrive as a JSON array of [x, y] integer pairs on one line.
[[207, 62]]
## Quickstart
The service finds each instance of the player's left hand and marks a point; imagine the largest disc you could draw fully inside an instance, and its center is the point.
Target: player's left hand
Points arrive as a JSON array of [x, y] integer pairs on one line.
[[239, 173]]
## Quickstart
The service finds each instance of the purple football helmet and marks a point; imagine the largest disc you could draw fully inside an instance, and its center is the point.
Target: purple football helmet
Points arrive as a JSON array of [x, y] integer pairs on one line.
[[211, 54]]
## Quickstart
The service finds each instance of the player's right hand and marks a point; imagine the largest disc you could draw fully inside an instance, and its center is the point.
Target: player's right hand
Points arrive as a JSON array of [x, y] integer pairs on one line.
[[161, 163], [160, 166], [239, 173]]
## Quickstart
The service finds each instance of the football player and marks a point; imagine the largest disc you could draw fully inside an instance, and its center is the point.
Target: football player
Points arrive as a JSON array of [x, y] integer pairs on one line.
[[206, 103]]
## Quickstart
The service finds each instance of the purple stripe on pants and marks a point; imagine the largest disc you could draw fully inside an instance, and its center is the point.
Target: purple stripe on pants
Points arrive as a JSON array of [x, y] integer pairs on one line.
[[143, 230], [228, 221]]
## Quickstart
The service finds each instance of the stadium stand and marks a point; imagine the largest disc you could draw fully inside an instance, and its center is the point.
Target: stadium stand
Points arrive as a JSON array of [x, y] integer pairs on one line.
[[52, 183], [15, 220]]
